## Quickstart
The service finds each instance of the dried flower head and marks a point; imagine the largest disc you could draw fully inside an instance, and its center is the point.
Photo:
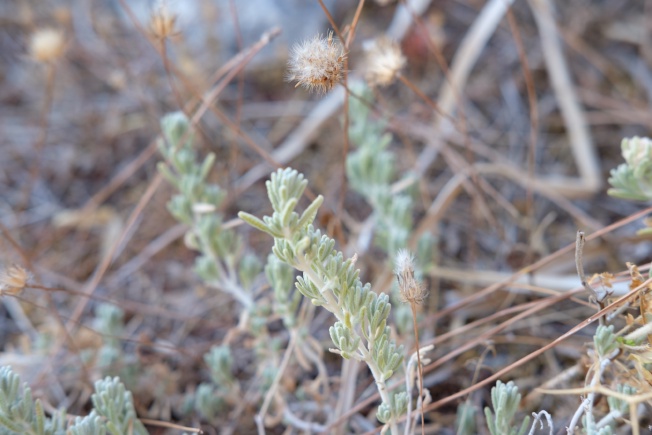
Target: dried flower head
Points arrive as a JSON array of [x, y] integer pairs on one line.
[[411, 290], [13, 280], [46, 45], [384, 62], [317, 63], [162, 23]]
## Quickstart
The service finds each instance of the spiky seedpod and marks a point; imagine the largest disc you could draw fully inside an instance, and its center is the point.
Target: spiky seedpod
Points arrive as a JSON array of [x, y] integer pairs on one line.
[[317, 64]]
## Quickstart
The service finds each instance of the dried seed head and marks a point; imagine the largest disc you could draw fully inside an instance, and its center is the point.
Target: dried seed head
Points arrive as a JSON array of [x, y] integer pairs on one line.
[[384, 62], [411, 290], [46, 45], [317, 64], [162, 23], [13, 280]]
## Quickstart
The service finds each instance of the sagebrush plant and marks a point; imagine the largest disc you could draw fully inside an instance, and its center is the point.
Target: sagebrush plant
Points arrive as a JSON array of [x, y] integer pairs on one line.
[[328, 280], [109, 321], [263, 332], [633, 179], [621, 359], [220, 264], [505, 400], [113, 411], [371, 171], [20, 413], [211, 399]]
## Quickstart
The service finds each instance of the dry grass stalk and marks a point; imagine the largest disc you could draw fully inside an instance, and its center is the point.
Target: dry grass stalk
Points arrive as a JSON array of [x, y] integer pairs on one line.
[[413, 292]]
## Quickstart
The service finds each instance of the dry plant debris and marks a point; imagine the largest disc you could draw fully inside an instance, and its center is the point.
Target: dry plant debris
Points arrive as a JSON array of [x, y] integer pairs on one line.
[[133, 296]]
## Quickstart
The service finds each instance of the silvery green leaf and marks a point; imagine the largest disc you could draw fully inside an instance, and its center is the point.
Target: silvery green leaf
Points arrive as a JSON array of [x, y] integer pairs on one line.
[[465, 419], [220, 363], [115, 403], [92, 424], [280, 275], [206, 269], [605, 341], [308, 215], [399, 403], [505, 400], [308, 288], [384, 413], [206, 166], [257, 223], [209, 402], [175, 126], [343, 338], [619, 405], [248, 270], [169, 176], [287, 211]]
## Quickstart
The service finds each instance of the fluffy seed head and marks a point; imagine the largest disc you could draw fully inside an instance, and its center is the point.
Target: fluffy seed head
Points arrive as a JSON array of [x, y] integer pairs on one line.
[[384, 62], [162, 23], [13, 280], [46, 45], [317, 64], [411, 290]]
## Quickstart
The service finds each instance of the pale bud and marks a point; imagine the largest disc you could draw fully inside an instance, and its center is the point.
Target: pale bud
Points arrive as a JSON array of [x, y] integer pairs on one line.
[[46, 45]]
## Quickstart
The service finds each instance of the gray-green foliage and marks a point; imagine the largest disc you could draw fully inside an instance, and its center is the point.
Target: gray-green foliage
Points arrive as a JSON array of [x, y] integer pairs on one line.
[[617, 409], [209, 402], [113, 402], [210, 398], [220, 363], [371, 172], [617, 405], [396, 406], [633, 179], [328, 280], [605, 340], [590, 427], [220, 263], [92, 424], [20, 414], [280, 276], [465, 419], [370, 169], [505, 399], [109, 321]]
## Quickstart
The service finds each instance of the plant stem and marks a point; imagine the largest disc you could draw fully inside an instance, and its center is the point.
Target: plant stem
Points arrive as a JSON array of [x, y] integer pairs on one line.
[[419, 367]]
